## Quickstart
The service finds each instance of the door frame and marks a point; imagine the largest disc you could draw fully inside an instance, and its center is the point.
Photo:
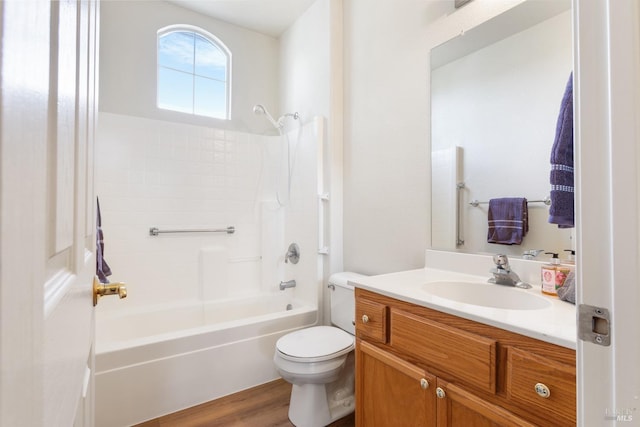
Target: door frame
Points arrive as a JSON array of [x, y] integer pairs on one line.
[[607, 126]]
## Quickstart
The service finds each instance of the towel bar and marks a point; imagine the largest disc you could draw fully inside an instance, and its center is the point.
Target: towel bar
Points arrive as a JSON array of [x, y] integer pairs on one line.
[[154, 231], [546, 201]]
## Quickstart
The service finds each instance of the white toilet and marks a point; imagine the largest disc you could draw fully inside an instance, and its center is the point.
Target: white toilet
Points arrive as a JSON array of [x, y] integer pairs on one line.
[[319, 361]]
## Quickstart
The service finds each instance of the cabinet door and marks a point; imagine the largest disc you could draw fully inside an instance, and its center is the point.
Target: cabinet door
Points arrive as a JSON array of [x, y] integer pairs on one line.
[[458, 407], [391, 391]]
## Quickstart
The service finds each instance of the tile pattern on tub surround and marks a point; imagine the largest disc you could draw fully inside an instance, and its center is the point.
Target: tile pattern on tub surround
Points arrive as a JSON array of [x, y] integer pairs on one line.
[[177, 176]]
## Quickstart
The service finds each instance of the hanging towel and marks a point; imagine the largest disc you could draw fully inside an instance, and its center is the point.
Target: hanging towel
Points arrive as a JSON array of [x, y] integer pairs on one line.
[[508, 220], [561, 177], [102, 268]]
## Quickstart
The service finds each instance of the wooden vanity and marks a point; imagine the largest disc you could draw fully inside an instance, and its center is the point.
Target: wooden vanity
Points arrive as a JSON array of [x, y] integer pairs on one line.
[[416, 366]]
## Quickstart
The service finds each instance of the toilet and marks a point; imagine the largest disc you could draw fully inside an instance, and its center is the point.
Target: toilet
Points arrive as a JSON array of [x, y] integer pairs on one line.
[[320, 361]]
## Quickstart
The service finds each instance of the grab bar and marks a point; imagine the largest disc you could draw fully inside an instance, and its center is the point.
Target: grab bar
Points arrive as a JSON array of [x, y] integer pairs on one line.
[[546, 201], [154, 231], [459, 239]]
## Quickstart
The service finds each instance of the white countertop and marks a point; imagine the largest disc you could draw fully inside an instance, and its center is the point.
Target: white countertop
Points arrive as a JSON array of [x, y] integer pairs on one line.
[[555, 324]]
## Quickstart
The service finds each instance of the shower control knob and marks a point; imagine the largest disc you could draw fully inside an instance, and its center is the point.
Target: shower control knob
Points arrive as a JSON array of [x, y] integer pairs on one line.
[[365, 318]]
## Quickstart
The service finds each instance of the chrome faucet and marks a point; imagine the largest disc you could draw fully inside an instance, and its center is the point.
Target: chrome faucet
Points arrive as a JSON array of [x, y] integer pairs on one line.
[[287, 284], [503, 275]]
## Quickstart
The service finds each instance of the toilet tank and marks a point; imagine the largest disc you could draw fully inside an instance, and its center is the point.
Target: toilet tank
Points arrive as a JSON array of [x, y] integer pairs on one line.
[[343, 303]]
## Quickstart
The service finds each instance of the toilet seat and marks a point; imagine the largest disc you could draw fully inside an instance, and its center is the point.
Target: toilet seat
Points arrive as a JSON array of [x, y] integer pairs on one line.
[[315, 344]]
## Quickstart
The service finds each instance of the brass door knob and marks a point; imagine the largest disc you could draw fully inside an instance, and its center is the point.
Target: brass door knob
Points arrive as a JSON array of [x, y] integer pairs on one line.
[[103, 289]]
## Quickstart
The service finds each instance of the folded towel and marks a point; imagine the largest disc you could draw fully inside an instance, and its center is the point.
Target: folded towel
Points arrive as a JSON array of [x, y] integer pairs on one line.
[[508, 220], [102, 268], [561, 177]]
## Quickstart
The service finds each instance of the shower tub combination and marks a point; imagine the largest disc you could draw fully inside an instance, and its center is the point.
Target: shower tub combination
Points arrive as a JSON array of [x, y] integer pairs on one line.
[[215, 333], [164, 359]]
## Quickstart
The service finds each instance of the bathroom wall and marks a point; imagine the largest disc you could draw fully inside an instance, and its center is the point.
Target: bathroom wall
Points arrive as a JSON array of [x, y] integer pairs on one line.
[[153, 173], [387, 153], [163, 169], [128, 63], [306, 87], [305, 63]]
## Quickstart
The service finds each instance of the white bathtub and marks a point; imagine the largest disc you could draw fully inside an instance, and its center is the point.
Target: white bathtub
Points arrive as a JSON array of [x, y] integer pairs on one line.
[[157, 361]]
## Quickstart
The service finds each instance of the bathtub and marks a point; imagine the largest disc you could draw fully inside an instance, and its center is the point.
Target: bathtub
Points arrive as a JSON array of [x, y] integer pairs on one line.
[[154, 361]]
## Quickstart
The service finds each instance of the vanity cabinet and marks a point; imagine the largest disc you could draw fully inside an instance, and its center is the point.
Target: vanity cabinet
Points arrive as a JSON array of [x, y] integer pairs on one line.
[[388, 379], [418, 366]]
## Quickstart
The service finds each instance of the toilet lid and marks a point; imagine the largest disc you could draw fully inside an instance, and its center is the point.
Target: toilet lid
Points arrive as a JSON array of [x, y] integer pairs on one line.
[[315, 342]]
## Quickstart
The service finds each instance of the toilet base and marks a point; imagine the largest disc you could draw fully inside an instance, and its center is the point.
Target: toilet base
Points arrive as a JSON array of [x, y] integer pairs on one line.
[[311, 407], [318, 405], [308, 406]]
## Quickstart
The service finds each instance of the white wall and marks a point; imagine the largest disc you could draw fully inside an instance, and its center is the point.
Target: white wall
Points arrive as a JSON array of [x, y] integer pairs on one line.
[[162, 169], [307, 87], [387, 153], [152, 173], [305, 61], [128, 63], [179, 176], [387, 156]]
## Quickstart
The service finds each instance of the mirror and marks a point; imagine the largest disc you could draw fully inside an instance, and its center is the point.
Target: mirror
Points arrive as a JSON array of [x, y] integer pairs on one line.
[[495, 99]]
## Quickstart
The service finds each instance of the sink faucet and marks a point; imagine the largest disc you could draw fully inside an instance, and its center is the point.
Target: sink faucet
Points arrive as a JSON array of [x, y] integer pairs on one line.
[[503, 275], [287, 284]]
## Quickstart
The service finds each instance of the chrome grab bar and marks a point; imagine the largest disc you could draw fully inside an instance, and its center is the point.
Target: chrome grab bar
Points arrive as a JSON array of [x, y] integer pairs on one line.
[[154, 231], [459, 194]]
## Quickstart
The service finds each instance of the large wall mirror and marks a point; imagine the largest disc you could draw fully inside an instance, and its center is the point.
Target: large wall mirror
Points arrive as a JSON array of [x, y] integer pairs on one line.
[[495, 97]]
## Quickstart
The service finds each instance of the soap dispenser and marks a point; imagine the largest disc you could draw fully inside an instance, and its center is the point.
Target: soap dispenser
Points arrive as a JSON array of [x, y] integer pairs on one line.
[[570, 261], [548, 273]]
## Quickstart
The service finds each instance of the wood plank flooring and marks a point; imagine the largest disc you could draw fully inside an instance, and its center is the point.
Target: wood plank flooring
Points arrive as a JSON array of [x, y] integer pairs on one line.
[[266, 405]]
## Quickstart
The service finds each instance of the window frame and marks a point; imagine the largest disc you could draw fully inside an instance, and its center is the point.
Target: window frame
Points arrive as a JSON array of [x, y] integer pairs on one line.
[[197, 31]]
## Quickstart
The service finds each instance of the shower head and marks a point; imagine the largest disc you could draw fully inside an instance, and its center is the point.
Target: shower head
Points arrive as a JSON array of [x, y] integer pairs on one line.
[[278, 124], [260, 109]]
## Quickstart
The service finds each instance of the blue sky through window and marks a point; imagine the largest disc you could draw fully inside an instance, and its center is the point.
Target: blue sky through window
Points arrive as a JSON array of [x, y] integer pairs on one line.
[[192, 74]]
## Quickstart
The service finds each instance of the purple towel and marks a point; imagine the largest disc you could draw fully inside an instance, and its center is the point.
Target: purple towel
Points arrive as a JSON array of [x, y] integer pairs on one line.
[[102, 268], [508, 220], [561, 177]]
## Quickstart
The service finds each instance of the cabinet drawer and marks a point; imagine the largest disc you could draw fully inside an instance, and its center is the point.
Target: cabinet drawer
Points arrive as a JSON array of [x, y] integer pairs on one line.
[[528, 373], [371, 320], [458, 354]]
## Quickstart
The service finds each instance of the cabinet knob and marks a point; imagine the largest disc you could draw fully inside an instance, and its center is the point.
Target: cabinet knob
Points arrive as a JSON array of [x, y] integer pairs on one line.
[[424, 384], [440, 393], [365, 318], [542, 390]]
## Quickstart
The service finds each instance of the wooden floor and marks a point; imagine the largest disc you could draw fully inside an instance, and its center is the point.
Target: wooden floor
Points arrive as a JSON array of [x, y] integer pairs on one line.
[[263, 406]]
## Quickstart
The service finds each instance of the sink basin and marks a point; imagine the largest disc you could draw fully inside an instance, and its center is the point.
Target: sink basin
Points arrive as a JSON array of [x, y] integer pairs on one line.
[[487, 295]]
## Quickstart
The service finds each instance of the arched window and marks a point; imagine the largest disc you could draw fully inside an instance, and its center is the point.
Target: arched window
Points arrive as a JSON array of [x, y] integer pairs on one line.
[[193, 72]]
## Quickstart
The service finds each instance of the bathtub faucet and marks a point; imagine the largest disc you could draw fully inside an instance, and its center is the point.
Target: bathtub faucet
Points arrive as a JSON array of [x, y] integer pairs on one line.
[[287, 284]]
